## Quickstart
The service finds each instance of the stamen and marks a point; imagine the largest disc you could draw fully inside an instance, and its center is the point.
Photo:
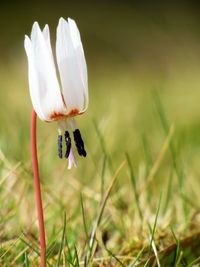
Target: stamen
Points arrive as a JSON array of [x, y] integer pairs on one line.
[[60, 146], [68, 143], [79, 143]]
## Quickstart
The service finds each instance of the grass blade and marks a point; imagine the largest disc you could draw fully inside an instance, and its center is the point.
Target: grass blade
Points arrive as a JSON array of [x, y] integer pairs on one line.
[[133, 180], [84, 220], [154, 227], [102, 143], [137, 258], [62, 242], [147, 153], [102, 175], [76, 257], [26, 260], [154, 248], [101, 210], [194, 262], [178, 252], [166, 127], [161, 155], [115, 257], [168, 195]]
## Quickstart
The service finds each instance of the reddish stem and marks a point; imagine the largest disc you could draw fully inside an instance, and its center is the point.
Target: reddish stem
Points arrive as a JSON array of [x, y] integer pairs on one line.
[[37, 188]]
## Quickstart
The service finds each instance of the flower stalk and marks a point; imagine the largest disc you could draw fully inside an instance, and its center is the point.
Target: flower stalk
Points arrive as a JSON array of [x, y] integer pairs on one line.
[[37, 189]]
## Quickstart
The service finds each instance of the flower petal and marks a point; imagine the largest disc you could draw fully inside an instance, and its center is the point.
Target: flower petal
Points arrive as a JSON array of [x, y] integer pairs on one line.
[[80, 56], [33, 81], [44, 86], [46, 35], [73, 70]]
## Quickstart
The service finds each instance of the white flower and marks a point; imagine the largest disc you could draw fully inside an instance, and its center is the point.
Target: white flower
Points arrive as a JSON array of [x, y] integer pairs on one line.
[[51, 101]]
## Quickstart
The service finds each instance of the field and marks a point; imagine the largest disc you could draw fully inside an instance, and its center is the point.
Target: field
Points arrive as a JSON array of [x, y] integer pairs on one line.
[[134, 200]]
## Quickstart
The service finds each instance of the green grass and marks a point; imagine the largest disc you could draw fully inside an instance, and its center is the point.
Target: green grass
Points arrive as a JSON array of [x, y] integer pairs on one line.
[[142, 135], [109, 224]]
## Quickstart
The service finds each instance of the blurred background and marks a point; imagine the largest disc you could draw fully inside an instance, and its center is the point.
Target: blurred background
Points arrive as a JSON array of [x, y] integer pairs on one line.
[[133, 49]]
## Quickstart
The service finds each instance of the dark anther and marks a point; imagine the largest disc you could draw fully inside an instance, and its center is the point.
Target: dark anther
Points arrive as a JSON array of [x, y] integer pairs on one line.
[[79, 143], [68, 143], [60, 146]]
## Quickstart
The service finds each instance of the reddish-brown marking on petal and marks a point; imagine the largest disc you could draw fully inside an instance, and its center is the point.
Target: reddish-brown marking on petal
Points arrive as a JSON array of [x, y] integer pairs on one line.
[[73, 112], [57, 116]]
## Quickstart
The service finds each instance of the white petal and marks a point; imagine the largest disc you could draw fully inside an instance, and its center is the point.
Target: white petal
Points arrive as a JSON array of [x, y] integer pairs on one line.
[[71, 160], [33, 81], [80, 56], [44, 86], [74, 86], [46, 35]]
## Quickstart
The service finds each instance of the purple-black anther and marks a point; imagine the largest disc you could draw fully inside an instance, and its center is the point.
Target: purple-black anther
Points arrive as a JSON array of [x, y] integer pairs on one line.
[[79, 143], [68, 144], [60, 146]]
